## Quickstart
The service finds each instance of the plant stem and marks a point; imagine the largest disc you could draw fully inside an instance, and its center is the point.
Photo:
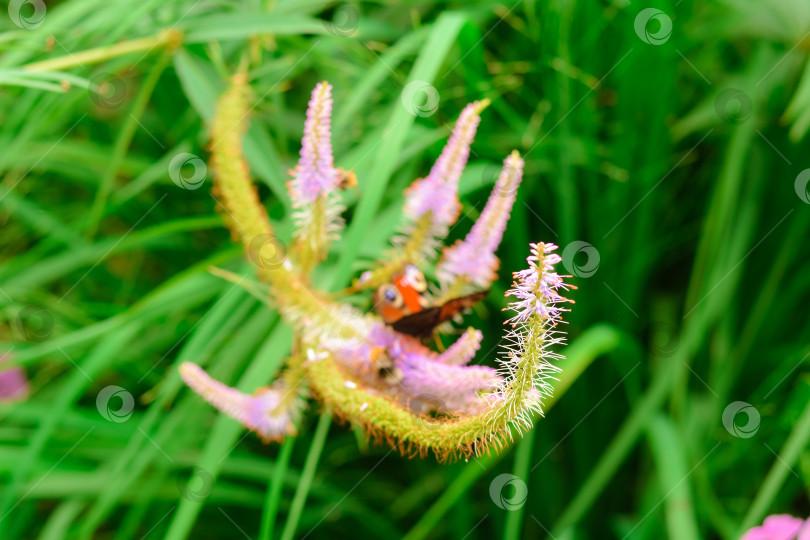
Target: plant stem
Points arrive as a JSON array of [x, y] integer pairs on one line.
[[168, 38]]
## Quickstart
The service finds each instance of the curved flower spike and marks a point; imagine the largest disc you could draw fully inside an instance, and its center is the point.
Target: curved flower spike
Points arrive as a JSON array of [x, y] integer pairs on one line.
[[536, 288], [437, 193], [463, 350], [431, 203], [315, 181], [473, 259], [270, 412]]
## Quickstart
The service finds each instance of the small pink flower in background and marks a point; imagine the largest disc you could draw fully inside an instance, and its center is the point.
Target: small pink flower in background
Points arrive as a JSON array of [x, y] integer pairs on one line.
[[780, 527], [13, 382]]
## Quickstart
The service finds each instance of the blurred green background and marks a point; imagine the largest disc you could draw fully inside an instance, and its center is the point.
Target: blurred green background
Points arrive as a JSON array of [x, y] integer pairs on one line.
[[666, 153]]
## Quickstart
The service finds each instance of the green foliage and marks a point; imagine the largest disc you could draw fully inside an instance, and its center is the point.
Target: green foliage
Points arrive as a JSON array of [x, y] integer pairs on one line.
[[675, 158]]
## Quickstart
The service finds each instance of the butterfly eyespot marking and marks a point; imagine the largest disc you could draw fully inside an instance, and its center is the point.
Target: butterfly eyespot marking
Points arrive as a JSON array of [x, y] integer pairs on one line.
[[391, 295]]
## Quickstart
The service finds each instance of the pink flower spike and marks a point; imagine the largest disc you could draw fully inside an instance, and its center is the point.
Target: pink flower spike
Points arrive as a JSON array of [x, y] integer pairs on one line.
[[474, 257], [536, 288], [777, 527], [438, 191], [463, 350], [315, 173], [270, 412]]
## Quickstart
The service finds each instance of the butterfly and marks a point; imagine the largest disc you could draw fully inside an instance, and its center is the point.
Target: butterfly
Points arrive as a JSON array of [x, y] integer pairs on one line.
[[404, 307]]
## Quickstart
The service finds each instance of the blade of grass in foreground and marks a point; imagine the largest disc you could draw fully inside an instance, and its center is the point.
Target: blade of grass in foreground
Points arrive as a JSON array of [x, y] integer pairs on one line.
[[71, 388], [672, 467], [307, 475], [274, 490], [796, 442], [523, 455], [225, 432]]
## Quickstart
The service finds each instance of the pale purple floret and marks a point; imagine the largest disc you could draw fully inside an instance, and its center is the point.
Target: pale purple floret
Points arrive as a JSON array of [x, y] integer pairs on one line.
[[463, 350], [780, 527], [270, 412], [536, 288], [445, 387], [438, 191], [315, 174], [13, 382], [474, 258], [425, 381]]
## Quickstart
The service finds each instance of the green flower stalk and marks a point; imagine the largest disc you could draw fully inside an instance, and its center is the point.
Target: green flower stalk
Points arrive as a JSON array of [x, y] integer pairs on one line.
[[389, 383]]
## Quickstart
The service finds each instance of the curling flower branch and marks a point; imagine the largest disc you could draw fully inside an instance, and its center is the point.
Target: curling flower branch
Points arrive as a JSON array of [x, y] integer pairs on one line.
[[368, 369]]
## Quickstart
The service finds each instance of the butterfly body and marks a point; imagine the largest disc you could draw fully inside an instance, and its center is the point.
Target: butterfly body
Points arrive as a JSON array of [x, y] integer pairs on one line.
[[402, 304]]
